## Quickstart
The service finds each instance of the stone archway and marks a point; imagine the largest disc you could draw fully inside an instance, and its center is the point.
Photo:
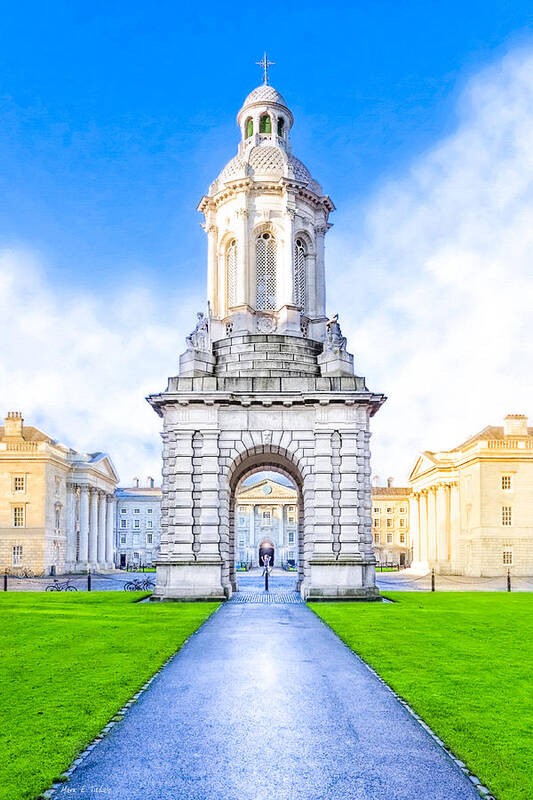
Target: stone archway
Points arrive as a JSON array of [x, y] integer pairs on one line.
[[260, 459]]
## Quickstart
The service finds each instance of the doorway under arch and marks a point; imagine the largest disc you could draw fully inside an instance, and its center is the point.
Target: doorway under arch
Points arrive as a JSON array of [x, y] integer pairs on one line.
[[262, 459]]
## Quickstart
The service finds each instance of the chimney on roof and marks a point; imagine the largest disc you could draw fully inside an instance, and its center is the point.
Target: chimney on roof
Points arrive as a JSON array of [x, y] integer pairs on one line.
[[150, 482], [136, 483], [375, 480], [13, 425], [390, 481], [515, 425]]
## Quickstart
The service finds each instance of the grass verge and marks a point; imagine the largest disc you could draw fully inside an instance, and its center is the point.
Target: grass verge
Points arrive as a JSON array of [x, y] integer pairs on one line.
[[68, 662], [463, 662]]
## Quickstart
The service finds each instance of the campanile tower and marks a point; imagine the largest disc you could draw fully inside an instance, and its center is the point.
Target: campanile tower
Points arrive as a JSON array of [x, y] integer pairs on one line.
[[266, 382]]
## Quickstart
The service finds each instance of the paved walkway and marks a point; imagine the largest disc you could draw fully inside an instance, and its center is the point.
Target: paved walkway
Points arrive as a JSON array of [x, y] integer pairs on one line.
[[266, 703]]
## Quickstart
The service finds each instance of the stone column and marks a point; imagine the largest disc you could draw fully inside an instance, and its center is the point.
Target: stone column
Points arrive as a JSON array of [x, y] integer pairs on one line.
[[93, 529], [432, 524], [209, 517], [243, 273], [424, 528], [110, 532], [286, 262], [455, 525], [443, 523], [84, 528], [414, 526], [102, 504], [349, 501], [323, 500], [212, 268], [364, 493], [70, 526], [320, 310], [176, 518]]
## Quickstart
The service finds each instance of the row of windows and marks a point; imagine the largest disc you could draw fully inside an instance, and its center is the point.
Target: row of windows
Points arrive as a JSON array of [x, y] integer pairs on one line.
[[245, 509], [403, 523], [265, 125], [377, 538], [136, 510], [136, 523], [266, 250], [149, 538], [389, 510]]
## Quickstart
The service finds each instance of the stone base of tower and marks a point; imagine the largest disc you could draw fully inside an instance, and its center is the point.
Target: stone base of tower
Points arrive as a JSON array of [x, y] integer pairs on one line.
[[340, 580], [192, 580]]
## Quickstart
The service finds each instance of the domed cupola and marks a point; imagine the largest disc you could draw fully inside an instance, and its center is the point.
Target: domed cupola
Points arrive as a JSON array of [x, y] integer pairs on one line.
[[266, 218]]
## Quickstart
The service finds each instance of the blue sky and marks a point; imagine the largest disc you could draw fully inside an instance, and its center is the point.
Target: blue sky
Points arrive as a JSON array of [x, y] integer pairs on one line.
[[115, 117]]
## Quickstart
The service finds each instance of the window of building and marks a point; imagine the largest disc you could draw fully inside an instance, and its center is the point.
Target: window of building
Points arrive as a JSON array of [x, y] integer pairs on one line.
[[402, 523], [281, 126], [377, 510], [249, 128], [137, 523], [18, 516], [265, 268], [377, 523], [149, 523], [389, 538], [377, 538], [16, 555], [389, 523], [123, 539], [299, 279], [507, 515], [57, 518], [291, 518], [123, 511], [149, 538], [241, 541], [231, 274], [402, 538], [267, 517], [123, 523], [19, 483], [136, 556], [291, 509], [265, 124], [389, 509], [402, 509], [136, 510], [506, 482], [507, 557], [149, 510], [291, 537]]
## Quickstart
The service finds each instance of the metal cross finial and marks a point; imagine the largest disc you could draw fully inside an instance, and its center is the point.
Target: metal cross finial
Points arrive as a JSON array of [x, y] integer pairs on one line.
[[265, 63]]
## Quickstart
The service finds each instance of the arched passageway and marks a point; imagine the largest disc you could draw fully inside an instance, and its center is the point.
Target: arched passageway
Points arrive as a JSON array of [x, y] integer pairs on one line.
[[262, 459]]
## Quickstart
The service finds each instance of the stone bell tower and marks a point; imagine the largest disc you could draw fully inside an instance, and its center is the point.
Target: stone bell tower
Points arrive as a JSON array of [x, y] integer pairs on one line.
[[266, 381]]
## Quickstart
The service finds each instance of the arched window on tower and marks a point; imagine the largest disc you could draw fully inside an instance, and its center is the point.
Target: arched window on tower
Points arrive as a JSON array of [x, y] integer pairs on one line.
[[265, 125], [281, 126], [300, 258], [265, 270], [249, 127], [231, 274]]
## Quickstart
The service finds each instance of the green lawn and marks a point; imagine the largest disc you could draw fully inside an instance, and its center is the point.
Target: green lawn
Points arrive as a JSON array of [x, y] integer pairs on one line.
[[68, 662], [464, 662]]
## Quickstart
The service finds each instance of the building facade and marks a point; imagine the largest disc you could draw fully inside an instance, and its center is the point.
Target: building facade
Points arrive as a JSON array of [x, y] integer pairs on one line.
[[266, 382], [267, 522], [56, 505], [472, 509], [390, 524], [138, 524]]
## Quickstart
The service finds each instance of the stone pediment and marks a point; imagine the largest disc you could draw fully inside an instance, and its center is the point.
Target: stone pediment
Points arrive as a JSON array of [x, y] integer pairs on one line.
[[104, 465], [267, 490], [425, 463]]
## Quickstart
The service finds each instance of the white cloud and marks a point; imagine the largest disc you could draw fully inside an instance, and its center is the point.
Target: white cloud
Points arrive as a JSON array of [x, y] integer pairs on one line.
[[79, 364], [442, 259]]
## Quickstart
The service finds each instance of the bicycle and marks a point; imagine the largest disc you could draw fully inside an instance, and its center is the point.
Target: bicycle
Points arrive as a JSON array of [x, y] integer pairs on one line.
[[139, 585], [61, 586]]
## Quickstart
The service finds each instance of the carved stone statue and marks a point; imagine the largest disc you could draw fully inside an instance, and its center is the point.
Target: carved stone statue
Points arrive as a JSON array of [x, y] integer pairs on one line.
[[199, 338], [335, 341]]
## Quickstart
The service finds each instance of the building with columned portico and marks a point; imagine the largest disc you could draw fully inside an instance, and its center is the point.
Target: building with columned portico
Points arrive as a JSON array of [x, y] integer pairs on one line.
[[267, 518], [57, 505], [266, 382]]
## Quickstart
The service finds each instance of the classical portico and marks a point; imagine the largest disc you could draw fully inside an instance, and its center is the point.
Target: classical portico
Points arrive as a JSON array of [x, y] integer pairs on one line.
[[266, 382]]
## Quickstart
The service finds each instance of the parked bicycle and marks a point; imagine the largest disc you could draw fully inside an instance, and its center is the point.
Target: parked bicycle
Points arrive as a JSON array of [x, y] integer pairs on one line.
[[139, 585], [61, 586]]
